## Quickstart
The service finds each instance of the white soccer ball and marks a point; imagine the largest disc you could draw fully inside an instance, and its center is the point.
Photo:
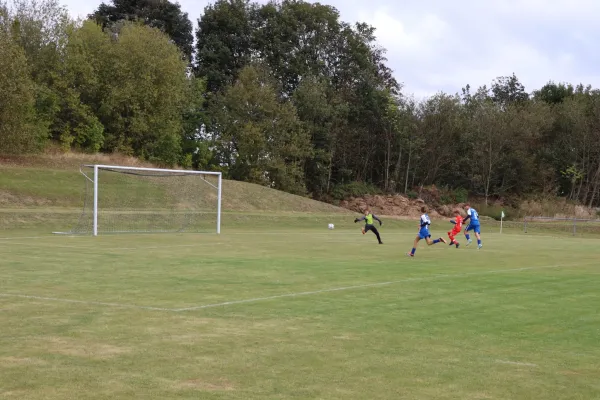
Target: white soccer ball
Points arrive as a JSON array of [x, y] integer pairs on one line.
[[330, 226]]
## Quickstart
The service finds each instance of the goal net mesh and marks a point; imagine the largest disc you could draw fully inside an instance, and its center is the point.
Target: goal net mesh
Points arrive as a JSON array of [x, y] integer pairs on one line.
[[133, 201], [561, 226]]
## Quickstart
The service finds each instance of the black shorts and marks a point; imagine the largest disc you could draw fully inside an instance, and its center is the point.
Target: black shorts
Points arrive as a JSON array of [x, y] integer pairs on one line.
[[370, 228]]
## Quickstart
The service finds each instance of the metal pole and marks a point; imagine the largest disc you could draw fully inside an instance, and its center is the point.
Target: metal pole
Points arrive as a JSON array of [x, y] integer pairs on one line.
[[95, 227], [219, 191]]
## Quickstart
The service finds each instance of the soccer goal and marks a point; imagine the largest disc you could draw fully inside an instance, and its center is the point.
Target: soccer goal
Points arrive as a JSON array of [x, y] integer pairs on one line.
[[121, 199]]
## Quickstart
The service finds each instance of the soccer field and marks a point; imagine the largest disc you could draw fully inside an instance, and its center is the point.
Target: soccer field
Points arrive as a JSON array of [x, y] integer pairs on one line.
[[298, 314]]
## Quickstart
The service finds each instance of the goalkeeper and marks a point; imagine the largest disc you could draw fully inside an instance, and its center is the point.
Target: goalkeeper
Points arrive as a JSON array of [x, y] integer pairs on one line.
[[368, 218]]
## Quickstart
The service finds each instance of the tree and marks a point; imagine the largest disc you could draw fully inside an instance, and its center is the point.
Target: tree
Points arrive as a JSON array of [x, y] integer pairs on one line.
[[161, 14], [147, 87], [441, 127], [508, 90], [553, 93], [296, 39], [19, 131], [223, 43], [41, 28], [258, 135], [323, 115]]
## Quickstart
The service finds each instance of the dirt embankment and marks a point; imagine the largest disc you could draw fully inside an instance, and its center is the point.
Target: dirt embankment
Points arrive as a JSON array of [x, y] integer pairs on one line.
[[397, 206]]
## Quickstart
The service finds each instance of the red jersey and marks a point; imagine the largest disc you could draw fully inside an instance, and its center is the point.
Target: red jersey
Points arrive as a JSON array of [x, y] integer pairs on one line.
[[459, 222]]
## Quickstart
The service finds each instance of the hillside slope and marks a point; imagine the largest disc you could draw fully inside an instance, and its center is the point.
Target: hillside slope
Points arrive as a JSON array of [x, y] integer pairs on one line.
[[62, 186], [46, 193]]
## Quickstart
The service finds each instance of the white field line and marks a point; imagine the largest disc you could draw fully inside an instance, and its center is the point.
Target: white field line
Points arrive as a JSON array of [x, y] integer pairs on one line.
[[288, 295], [368, 285]]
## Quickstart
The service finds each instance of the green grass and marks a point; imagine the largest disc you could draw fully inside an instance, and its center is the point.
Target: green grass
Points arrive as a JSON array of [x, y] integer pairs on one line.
[[43, 188], [256, 313], [517, 320]]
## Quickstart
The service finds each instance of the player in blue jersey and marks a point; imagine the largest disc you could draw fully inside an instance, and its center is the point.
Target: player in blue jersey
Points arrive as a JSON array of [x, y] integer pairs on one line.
[[474, 225], [424, 233]]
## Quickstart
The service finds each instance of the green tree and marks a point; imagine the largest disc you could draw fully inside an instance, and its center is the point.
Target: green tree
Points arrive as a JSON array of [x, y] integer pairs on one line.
[[323, 115], [508, 90], [19, 131], [41, 28], [553, 93], [258, 135], [296, 39], [146, 87], [223, 42], [161, 14], [80, 91], [441, 126]]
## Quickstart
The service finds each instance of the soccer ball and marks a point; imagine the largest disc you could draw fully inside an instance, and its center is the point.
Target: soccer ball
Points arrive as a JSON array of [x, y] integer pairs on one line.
[[330, 226]]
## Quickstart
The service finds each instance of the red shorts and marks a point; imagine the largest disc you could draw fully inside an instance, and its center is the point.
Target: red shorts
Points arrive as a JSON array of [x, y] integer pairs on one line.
[[454, 232]]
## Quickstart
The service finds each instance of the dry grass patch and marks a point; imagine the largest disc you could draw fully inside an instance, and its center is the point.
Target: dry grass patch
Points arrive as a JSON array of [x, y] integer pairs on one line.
[[201, 384], [12, 361], [79, 348]]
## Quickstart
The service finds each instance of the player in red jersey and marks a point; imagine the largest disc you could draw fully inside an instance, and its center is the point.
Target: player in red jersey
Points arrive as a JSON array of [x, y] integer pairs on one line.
[[457, 221]]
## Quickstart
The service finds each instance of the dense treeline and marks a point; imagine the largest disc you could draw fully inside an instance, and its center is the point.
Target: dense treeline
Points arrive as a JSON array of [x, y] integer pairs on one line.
[[283, 94]]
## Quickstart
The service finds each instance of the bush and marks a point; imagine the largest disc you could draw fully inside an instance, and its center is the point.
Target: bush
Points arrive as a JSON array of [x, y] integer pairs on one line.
[[460, 195], [412, 195], [446, 199], [353, 189]]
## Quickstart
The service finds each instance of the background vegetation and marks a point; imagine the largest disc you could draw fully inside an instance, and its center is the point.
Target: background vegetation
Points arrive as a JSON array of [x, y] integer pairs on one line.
[[283, 94]]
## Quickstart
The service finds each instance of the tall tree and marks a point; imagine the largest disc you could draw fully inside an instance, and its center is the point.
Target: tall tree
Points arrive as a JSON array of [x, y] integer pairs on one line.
[[19, 130], [296, 39], [147, 84], [161, 14], [223, 42], [41, 28], [553, 93], [324, 115], [508, 90], [258, 135], [441, 125]]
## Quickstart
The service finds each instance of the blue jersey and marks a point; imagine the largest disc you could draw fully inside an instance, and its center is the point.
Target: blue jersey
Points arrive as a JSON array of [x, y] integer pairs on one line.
[[425, 221], [424, 226], [474, 216]]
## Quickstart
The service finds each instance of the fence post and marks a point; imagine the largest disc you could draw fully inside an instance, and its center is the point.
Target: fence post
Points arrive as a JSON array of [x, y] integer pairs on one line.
[[524, 224]]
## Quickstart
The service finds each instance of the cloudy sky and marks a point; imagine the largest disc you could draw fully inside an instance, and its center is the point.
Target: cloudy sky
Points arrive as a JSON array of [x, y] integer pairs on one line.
[[438, 45]]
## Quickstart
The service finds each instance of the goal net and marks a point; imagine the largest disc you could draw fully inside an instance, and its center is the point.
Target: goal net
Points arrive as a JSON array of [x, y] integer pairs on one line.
[[555, 225], [146, 200]]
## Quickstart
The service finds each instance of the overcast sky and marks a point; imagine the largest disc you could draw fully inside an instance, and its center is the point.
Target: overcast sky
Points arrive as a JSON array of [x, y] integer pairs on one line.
[[438, 45]]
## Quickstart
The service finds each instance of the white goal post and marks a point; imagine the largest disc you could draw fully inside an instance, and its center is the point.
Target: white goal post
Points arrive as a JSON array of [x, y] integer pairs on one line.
[[120, 199]]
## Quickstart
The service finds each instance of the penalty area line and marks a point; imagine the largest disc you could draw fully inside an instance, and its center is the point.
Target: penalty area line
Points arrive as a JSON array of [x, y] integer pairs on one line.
[[367, 285]]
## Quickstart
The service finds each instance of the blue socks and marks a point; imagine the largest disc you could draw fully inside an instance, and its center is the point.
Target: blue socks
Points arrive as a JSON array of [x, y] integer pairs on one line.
[[468, 236], [479, 242], [413, 251], [436, 241]]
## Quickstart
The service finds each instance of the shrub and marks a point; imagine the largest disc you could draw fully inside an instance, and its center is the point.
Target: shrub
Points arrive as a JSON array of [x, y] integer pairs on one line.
[[353, 189], [460, 195]]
